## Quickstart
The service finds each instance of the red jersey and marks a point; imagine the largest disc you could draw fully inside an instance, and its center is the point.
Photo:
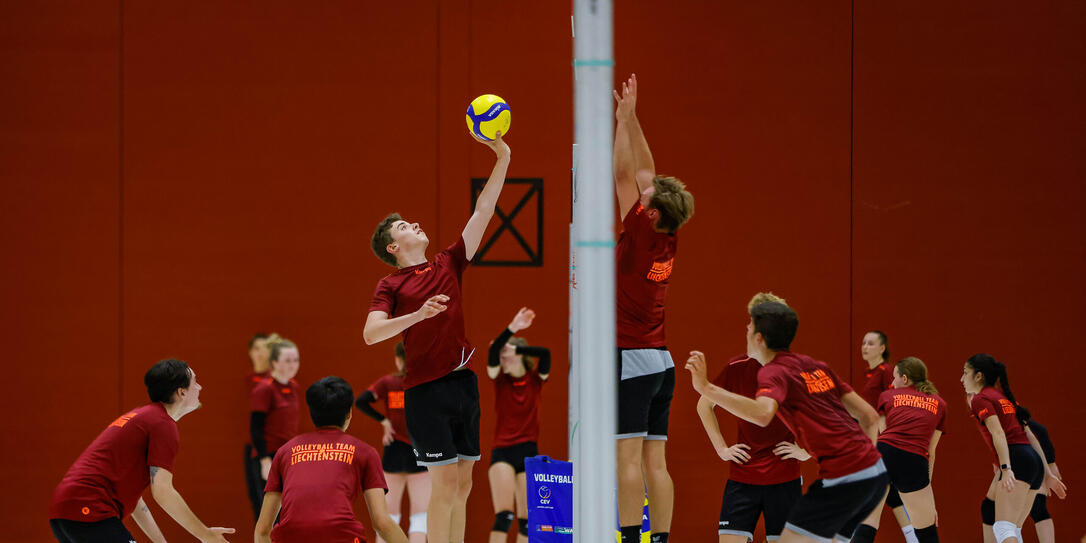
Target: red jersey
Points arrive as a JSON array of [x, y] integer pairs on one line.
[[912, 417], [879, 379], [437, 345], [107, 479], [390, 388], [320, 474], [990, 401], [808, 394], [643, 262], [253, 378], [516, 401], [280, 402], [764, 468]]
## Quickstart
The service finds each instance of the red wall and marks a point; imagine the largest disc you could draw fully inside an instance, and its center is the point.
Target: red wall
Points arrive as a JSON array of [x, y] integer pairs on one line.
[[181, 175]]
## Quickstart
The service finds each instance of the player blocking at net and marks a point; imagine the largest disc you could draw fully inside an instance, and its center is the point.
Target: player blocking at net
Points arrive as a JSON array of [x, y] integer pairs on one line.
[[422, 300]]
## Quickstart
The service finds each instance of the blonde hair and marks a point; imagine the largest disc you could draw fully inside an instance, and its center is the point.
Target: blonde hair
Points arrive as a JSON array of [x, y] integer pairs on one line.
[[276, 344], [763, 297], [529, 361], [673, 201], [913, 368]]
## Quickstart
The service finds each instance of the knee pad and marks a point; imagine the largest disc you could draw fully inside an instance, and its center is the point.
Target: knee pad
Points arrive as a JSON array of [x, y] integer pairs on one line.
[[522, 526], [928, 535], [864, 534], [395, 518], [502, 521], [1004, 530], [987, 512], [1039, 511], [418, 523]]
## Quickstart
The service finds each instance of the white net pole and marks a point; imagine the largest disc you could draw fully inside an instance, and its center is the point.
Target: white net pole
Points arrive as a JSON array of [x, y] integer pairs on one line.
[[594, 506]]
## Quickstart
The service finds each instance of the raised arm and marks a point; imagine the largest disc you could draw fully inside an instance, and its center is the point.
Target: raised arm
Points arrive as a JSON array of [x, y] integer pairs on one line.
[[523, 319], [488, 197], [631, 154], [758, 411], [142, 515], [380, 327], [171, 501]]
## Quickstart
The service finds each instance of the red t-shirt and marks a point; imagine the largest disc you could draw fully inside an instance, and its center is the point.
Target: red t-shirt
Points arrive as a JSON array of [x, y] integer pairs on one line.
[[764, 468], [990, 401], [320, 474], [643, 262], [912, 417], [879, 380], [280, 402], [516, 401], [390, 388], [808, 394], [253, 378], [437, 345], [107, 479]]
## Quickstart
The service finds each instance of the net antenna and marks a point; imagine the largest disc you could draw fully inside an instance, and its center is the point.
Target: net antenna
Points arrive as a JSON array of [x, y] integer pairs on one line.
[[592, 278]]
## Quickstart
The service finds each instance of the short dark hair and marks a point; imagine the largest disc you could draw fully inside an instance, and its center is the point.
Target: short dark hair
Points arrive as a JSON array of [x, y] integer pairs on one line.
[[382, 238], [256, 336], [776, 322], [165, 377], [329, 401]]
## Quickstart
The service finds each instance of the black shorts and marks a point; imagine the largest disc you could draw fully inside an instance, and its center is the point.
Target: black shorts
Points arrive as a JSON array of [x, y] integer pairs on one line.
[[399, 457], [743, 503], [824, 513], [110, 530], [644, 399], [514, 455], [443, 419], [908, 471], [1027, 465]]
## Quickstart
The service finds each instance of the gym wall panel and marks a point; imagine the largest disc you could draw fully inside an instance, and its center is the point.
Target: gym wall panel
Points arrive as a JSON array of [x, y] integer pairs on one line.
[[968, 228], [748, 104], [59, 218]]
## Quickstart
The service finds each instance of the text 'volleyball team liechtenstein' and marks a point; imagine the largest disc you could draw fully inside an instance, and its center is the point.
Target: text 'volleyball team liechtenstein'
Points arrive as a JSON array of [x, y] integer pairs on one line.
[[873, 447]]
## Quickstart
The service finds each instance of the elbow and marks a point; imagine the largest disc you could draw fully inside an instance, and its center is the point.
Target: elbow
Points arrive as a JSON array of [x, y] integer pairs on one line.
[[764, 419], [369, 336]]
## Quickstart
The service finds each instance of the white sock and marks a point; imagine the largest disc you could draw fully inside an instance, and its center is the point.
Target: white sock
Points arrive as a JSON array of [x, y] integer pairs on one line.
[[1018, 530], [910, 534]]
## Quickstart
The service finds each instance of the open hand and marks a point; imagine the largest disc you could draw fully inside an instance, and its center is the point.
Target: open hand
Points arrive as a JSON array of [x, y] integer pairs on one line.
[[738, 453], [433, 306], [522, 320], [627, 101], [387, 438], [696, 365], [1056, 486], [215, 535], [791, 451], [498, 145]]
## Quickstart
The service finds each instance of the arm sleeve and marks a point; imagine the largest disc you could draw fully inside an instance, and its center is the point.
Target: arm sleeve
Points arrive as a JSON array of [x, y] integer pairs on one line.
[[941, 425], [275, 477], [772, 384], [494, 355], [162, 444], [982, 408], [883, 405], [370, 473], [364, 404], [542, 353], [384, 297], [456, 255], [256, 433], [841, 386]]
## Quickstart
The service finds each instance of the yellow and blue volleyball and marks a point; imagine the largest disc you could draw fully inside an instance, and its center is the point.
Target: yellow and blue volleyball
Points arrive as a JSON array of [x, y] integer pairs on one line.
[[487, 115]]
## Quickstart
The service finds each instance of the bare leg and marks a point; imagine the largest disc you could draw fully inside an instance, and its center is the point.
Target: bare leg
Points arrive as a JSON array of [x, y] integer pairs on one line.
[[1046, 531], [1013, 506], [418, 490], [921, 506], [394, 497], [443, 494], [631, 483], [661, 489], [460, 504], [502, 487], [731, 538], [522, 502]]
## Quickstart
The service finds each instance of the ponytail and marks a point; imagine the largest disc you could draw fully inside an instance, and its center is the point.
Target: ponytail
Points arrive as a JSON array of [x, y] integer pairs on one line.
[[995, 371], [913, 368]]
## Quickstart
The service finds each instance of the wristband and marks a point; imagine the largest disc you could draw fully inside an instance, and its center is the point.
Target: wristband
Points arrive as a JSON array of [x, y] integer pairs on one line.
[[1004, 467]]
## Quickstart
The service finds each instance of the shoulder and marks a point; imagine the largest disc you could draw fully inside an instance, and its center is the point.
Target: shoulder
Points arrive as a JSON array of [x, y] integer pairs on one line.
[[887, 394]]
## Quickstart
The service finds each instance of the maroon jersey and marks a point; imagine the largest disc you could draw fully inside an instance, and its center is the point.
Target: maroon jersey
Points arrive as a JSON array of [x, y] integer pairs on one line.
[[516, 401], [764, 468], [879, 379], [108, 478], [990, 401], [254, 378], [437, 345], [320, 474], [390, 389], [280, 402], [808, 394], [912, 417], [643, 262]]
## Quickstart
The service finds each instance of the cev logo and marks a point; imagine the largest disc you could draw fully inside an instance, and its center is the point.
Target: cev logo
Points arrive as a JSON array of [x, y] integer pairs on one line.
[[544, 495]]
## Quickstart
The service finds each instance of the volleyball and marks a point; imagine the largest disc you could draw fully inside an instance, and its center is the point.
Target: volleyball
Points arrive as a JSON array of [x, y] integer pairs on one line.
[[487, 115]]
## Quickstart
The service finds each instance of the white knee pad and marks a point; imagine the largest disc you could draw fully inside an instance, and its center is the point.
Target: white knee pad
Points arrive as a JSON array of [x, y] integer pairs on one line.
[[418, 523], [1003, 530], [395, 518]]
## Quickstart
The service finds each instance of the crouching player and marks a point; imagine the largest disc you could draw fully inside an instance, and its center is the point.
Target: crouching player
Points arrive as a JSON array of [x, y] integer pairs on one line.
[[316, 476]]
